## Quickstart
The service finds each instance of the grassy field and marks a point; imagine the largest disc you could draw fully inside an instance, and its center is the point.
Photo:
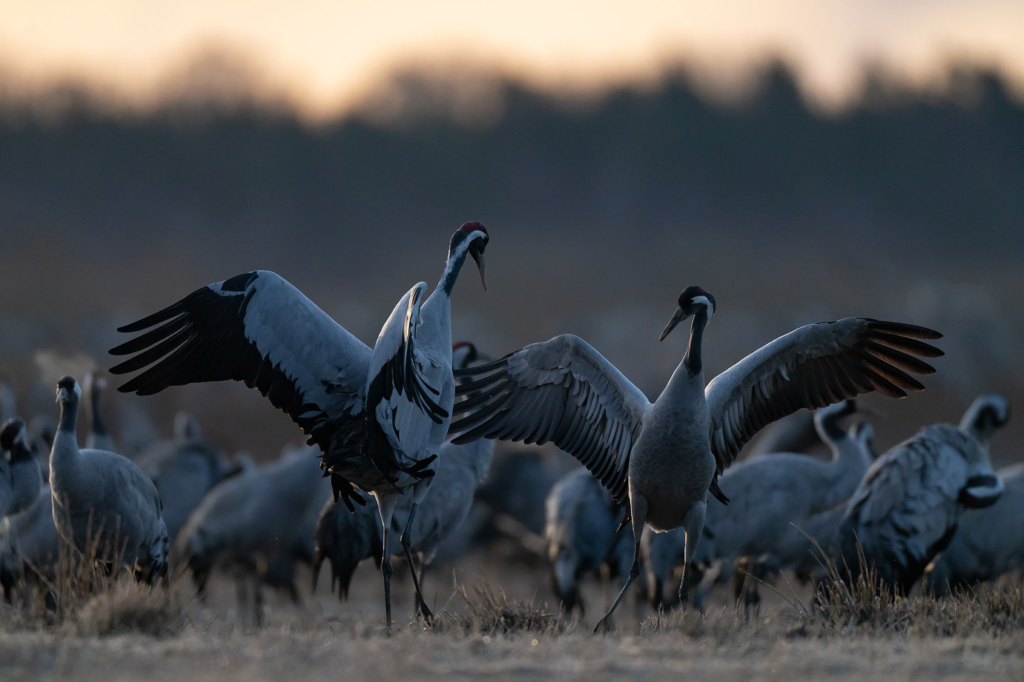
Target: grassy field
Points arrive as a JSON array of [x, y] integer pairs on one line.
[[499, 624]]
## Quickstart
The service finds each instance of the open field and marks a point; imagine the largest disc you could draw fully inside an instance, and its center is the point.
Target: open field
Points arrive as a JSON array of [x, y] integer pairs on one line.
[[327, 640]]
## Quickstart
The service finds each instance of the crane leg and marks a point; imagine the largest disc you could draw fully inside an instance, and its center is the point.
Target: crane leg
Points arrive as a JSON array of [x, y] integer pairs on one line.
[[638, 509], [386, 507], [407, 546], [693, 525]]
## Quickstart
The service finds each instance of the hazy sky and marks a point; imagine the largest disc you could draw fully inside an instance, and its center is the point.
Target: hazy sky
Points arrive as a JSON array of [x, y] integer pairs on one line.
[[325, 53]]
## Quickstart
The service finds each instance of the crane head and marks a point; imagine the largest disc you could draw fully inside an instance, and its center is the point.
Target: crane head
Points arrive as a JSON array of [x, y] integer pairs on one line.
[[692, 301], [476, 236], [66, 388]]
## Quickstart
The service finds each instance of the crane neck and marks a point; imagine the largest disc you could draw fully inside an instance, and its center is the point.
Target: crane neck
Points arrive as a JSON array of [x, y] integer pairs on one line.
[[99, 427], [68, 418], [452, 268], [832, 435], [692, 359], [64, 452]]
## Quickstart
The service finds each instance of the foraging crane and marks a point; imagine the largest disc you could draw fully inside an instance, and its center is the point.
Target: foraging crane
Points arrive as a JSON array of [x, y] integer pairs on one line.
[[21, 477], [795, 433], [104, 498], [773, 493], [99, 437], [909, 503], [580, 532], [924, 493], [29, 538], [341, 536], [260, 521], [667, 455], [379, 415], [988, 542], [183, 471]]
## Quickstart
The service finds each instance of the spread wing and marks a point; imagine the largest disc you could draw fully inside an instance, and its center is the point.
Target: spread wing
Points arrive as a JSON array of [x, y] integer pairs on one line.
[[405, 399], [259, 329], [813, 366], [561, 391]]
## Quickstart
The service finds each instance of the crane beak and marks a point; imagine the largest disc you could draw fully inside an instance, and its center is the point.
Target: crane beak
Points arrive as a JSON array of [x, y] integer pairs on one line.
[[478, 256], [62, 395], [677, 317]]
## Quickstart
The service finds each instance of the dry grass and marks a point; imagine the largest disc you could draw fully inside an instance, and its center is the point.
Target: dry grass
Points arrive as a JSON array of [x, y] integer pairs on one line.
[[504, 628], [94, 593]]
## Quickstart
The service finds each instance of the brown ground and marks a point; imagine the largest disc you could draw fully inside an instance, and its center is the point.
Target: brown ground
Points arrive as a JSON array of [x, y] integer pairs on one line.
[[328, 640]]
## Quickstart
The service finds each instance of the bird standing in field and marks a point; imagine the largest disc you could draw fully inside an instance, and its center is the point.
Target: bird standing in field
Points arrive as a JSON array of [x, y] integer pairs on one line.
[[102, 497], [665, 456], [378, 415]]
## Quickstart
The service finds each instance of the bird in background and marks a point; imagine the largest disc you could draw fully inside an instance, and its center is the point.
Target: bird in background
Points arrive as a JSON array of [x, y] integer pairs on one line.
[[379, 415], [664, 457], [104, 498]]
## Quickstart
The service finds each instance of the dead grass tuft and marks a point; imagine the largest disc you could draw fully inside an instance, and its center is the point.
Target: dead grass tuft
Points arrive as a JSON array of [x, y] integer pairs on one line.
[[127, 605], [866, 604], [490, 611], [94, 593]]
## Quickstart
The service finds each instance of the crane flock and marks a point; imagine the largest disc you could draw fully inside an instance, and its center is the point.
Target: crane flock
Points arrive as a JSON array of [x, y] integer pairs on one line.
[[411, 422]]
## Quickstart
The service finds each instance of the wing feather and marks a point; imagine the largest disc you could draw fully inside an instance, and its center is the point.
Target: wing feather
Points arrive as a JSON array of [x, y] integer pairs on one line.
[[811, 367], [259, 329], [561, 391]]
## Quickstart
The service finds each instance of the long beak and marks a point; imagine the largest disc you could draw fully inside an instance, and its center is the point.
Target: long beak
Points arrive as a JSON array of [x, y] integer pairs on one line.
[[479, 258], [677, 317], [62, 394]]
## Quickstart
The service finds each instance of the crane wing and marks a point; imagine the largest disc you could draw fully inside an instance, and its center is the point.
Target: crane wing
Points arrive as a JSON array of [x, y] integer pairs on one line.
[[259, 329], [813, 366], [561, 391]]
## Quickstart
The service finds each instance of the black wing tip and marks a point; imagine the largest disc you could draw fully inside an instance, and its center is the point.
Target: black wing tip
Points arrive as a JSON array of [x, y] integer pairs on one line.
[[909, 330]]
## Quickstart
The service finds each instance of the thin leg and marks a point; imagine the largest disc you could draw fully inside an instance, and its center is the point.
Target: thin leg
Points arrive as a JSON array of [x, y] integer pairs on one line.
[[407, 546], [693, 525], [242, 591], [386, 507], [638, 508], [257, 602]]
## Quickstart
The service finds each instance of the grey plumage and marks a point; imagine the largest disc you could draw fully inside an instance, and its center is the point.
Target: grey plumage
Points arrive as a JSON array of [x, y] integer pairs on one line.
[[102, 497], [773, 493], [378, 415], [98, 437], [985, 416], [347, 538], [183, 470], [580, 531], [795, 433], [257, 520], [21, 477], [667, 455], [774, 498], [910, 501], [28, 542], [988, 542]]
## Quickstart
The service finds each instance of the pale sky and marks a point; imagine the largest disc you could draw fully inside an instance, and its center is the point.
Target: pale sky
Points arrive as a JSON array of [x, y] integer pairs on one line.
[[325, 55]]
